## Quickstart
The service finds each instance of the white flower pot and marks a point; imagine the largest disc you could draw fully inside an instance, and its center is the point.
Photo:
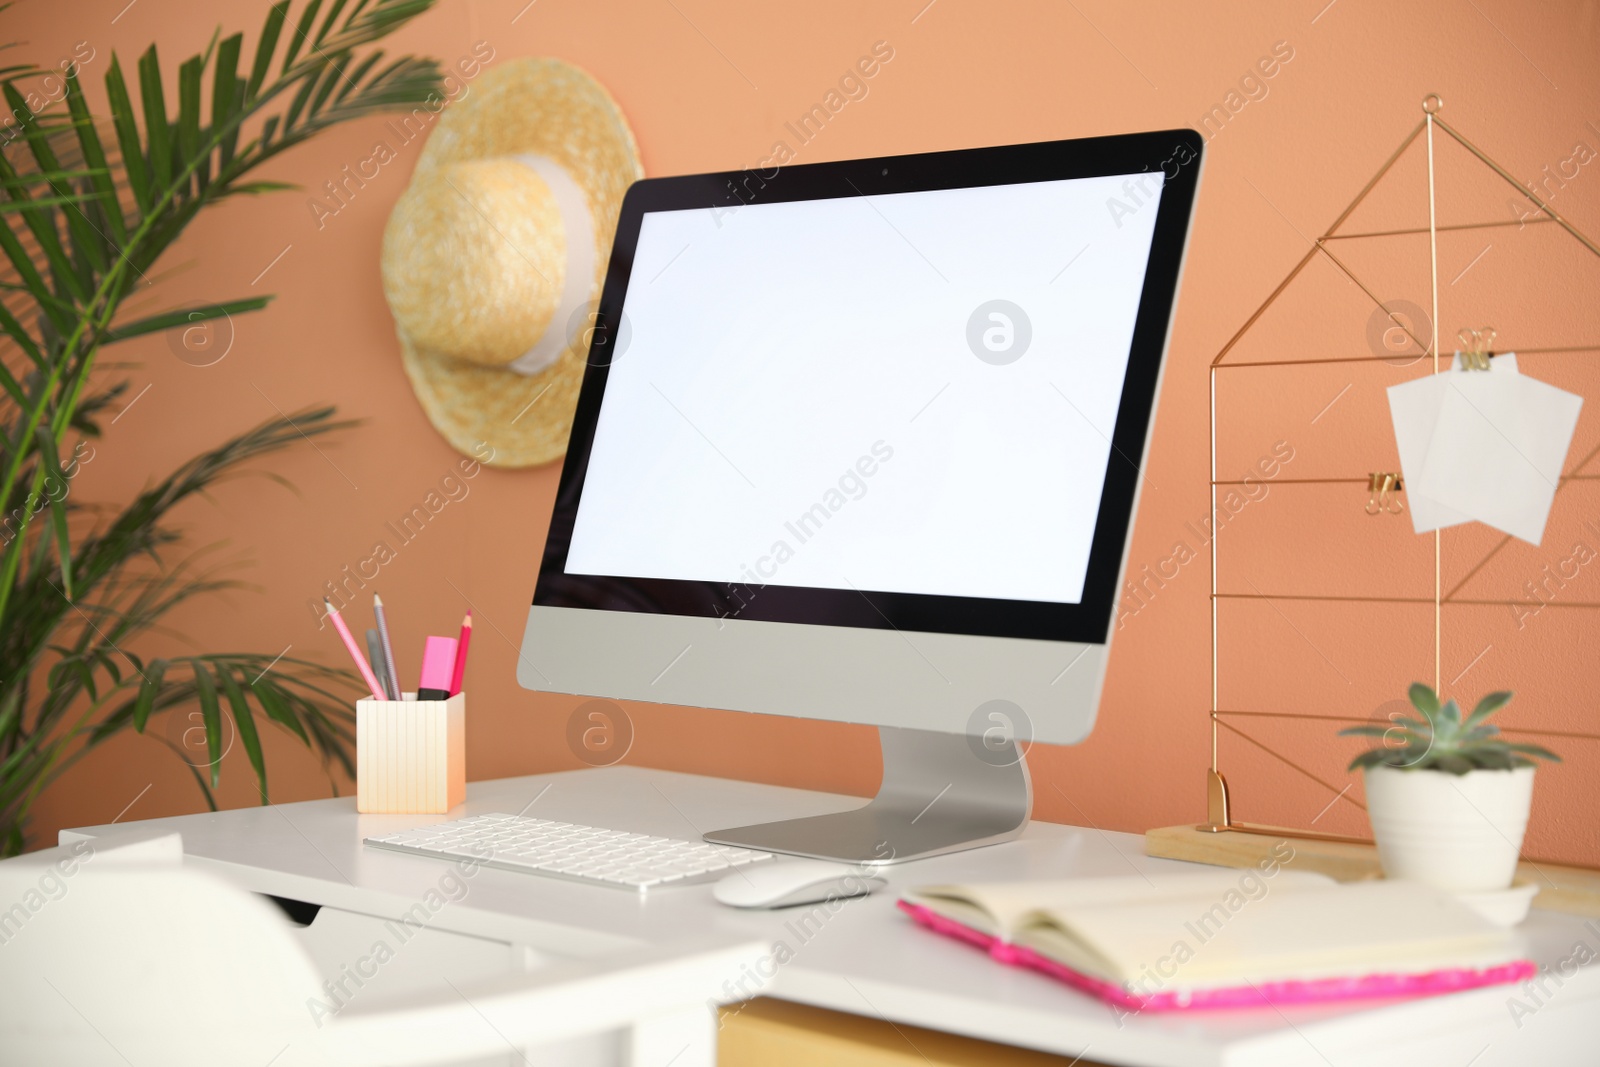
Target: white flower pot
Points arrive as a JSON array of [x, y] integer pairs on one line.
[[1458, 832]]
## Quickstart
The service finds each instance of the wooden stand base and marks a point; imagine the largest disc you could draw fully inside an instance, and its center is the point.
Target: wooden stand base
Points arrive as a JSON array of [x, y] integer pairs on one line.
[[1570, 890]]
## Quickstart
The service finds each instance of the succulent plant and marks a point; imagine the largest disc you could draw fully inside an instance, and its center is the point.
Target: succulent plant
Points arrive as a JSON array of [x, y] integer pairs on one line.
[[1442, 740]]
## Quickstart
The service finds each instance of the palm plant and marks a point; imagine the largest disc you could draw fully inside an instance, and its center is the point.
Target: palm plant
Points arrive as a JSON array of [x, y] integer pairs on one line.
[[1442, 740], [90, 205]]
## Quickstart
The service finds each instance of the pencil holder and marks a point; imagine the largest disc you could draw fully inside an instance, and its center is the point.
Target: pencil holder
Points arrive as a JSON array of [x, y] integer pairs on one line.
[[411, 755]]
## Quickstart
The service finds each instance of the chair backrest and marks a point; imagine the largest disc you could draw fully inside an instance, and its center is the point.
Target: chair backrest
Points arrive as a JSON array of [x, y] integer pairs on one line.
[[116, 955]]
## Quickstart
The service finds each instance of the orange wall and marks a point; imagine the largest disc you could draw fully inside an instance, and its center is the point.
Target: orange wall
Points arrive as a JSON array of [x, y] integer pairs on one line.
[[709, 84]]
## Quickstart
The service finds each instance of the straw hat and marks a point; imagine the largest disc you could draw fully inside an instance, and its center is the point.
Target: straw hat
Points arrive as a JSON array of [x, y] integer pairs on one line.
[[495, 253]]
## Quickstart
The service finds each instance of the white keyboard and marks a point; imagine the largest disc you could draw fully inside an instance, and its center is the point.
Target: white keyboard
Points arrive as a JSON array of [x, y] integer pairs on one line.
[[571, 851]]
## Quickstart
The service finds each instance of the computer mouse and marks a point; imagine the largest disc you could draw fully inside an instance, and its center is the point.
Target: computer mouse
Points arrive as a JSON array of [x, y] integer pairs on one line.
[[789, 882]]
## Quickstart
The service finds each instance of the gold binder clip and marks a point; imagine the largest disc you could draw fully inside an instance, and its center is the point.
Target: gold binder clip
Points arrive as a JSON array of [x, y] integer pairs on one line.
[[1477, 347], [1383, 489]]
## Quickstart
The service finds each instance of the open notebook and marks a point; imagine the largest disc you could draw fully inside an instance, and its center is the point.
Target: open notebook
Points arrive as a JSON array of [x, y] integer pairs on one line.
[[1229, 938]]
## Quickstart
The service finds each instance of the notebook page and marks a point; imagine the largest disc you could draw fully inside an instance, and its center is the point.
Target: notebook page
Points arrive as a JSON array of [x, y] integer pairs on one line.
[[1001, 908], [1339, 930]]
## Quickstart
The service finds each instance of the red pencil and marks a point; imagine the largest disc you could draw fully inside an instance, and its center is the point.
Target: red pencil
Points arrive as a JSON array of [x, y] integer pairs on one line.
[[459, 674]]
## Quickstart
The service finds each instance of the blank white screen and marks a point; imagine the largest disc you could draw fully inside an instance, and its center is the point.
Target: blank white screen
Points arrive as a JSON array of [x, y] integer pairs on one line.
[[776, 352]]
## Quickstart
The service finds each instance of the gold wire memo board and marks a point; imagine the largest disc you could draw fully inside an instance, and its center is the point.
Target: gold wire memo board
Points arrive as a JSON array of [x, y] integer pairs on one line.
[[1384, 556]]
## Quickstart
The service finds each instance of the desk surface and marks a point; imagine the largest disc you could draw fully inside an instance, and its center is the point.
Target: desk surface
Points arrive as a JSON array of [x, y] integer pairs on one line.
[[867, 958]]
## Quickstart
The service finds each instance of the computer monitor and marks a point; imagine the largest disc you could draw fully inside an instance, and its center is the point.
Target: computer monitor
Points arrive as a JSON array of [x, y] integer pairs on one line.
[[862, 442]]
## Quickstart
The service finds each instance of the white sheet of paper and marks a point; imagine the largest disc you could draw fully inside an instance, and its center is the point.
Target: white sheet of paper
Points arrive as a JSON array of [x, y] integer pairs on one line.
[[1498, 446], [1414, 410]]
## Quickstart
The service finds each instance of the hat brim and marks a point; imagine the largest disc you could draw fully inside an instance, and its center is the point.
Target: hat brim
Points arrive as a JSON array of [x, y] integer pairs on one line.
[[526, 107]]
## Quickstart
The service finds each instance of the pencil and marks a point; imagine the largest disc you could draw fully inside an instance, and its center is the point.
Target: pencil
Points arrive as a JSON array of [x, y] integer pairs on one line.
[[392, 676], [355, 653], [375, 657], [459, 675]]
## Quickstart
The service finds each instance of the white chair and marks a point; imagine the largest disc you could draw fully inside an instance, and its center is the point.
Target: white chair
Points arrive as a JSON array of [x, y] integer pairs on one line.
[[125, 955]]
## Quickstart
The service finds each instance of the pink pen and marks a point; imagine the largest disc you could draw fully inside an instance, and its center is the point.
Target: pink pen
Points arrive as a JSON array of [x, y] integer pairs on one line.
[[355, 653]]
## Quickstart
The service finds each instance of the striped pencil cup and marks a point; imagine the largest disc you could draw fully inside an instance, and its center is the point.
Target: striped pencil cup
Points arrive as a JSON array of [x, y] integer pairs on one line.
[[411, 755]]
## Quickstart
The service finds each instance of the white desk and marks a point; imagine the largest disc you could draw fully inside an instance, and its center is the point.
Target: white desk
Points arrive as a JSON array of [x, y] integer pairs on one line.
[[868, 959]]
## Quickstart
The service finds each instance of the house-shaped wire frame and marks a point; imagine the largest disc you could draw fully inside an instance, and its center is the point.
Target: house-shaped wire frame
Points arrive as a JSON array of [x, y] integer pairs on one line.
[[1340, 487]]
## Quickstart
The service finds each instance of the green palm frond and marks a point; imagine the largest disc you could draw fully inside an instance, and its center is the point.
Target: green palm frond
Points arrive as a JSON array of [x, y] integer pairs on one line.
[[88, 205]]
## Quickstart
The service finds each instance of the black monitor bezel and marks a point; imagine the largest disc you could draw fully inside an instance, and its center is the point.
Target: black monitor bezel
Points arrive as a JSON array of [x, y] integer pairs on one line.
[[1176, 153]]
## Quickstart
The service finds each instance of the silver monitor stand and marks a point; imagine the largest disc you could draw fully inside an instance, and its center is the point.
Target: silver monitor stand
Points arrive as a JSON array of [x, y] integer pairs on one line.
[[940, 793]]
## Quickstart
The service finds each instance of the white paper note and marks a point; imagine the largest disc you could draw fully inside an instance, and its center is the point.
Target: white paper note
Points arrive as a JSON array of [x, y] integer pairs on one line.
[[1414, 410], [1498, 446]]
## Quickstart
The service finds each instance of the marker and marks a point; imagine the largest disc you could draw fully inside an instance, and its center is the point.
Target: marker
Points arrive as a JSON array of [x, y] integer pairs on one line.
[[390, 675], [458, 675], [375, 655], [438, 655], [355, 653]]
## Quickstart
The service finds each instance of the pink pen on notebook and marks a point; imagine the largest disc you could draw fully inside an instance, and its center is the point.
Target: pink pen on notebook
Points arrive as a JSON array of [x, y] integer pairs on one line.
[[438, 664]]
